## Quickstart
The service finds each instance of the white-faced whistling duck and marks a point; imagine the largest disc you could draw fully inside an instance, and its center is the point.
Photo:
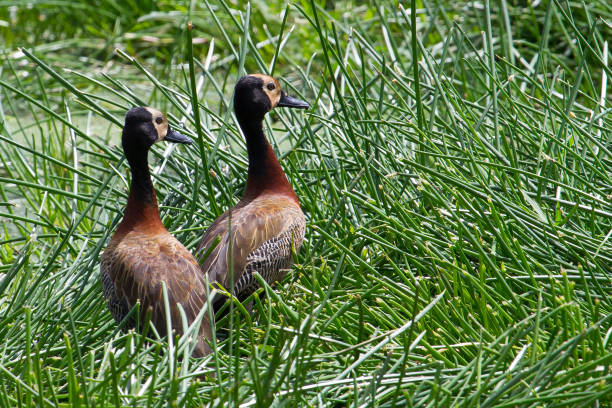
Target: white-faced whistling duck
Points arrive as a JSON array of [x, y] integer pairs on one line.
[[268, 219], [142, 253]]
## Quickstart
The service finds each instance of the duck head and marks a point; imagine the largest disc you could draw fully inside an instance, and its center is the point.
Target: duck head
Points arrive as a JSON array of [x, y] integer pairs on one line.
[[257, 94], [147, 126]]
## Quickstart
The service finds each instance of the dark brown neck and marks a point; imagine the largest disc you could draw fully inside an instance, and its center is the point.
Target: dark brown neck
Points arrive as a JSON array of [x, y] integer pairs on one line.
[[266, 176], [141, 210]]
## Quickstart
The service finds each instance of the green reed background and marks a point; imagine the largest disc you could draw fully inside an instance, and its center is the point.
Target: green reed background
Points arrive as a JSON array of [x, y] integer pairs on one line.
[[455, 170]]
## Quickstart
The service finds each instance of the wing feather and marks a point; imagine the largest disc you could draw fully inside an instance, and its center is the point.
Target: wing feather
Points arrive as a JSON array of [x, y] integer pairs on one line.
[[253, 224], [134, 270]]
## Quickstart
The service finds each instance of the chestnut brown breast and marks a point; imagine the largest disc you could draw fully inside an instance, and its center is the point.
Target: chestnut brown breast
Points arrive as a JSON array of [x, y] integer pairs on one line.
[[133, 269], [264, 233]]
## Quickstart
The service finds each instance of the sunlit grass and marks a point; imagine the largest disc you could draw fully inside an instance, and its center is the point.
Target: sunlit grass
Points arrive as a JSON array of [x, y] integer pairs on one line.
[[458, 246]]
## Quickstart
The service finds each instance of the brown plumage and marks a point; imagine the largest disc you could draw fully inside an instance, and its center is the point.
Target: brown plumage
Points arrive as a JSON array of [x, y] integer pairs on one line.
[[268, 220], [142, 253]]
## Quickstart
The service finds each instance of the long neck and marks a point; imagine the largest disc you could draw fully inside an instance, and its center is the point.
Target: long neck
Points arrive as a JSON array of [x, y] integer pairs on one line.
[[265, 172], [141, 210]]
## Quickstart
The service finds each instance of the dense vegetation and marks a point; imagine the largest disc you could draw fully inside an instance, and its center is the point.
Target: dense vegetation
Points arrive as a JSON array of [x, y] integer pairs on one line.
[[459, 241]]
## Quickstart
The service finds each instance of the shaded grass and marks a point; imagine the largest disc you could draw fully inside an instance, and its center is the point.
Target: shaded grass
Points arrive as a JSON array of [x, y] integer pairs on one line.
[[459, 259]]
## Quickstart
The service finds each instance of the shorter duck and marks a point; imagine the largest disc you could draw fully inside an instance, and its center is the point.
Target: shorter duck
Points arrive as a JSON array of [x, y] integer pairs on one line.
[[268, 220], [142, 254]]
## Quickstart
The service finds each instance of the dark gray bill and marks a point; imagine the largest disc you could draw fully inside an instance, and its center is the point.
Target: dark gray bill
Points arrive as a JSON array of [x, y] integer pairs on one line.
[[175, 137], [287, 101]]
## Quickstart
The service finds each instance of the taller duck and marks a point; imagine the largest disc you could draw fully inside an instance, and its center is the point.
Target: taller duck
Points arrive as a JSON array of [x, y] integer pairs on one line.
[[142, 254], [268, 220]]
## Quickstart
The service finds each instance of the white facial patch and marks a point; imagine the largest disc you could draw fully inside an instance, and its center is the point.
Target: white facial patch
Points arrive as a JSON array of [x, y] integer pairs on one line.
[[273, 94], [160, 123]]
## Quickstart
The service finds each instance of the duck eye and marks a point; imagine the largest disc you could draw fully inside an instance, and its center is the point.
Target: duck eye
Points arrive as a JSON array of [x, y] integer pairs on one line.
[[271, 86], [159, 120]]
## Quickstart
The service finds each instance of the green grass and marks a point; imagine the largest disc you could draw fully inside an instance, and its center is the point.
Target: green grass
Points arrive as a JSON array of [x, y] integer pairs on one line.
[[459, 235]]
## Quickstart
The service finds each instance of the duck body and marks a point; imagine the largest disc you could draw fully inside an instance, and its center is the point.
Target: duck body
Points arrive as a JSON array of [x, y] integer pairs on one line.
[[267, 224], [265, 230], [142, 254]]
